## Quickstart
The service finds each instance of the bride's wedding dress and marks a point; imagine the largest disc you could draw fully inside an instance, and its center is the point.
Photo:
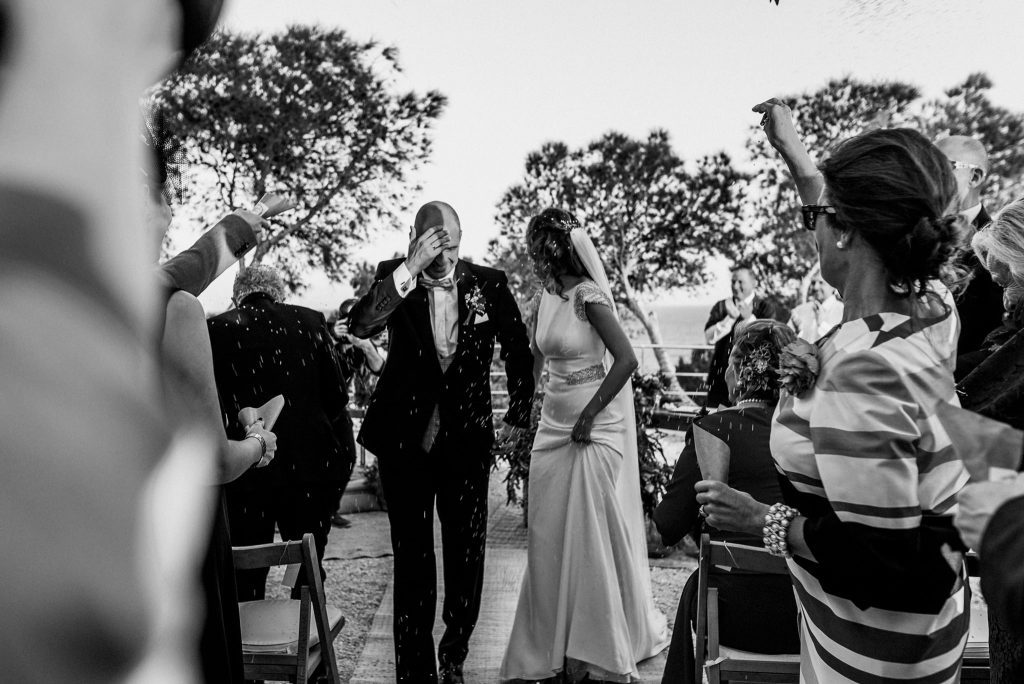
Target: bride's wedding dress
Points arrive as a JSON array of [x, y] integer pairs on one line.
[[585, 605]]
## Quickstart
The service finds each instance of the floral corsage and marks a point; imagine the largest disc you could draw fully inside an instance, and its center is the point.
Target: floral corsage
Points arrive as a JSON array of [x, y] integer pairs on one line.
[[799, 365], [475, 303]]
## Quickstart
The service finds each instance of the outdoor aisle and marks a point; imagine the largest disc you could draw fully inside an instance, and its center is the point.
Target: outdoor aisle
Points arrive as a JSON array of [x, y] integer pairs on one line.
[[505, 564]]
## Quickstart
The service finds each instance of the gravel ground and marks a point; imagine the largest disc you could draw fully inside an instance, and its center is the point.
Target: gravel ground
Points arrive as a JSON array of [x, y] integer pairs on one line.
[[357, 587], [667, 585]]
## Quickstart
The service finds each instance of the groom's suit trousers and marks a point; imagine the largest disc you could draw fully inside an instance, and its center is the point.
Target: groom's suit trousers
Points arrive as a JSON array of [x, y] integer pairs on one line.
[[412, 483]]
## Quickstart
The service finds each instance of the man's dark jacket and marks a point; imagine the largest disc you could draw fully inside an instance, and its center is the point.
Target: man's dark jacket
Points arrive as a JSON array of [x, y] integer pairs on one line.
[[980, 305], [718, 393], [265, 348], [411, 383]]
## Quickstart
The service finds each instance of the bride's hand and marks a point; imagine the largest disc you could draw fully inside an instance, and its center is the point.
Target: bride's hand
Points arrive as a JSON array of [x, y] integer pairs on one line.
[[730, 509], [581, 430]]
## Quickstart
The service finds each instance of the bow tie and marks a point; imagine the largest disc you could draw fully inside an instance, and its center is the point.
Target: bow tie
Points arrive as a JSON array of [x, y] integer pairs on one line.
[[442, 284]]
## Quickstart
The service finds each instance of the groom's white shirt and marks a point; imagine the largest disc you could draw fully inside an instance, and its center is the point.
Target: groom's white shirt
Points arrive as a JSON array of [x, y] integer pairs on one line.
[[444, 311]]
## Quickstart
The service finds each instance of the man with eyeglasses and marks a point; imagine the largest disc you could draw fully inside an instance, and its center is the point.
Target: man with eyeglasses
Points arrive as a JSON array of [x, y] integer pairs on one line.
[[980, 305]]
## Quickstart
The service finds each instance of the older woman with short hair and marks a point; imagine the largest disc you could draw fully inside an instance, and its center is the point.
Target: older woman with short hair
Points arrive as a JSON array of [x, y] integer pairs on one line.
[[733, 445], [995, 389]]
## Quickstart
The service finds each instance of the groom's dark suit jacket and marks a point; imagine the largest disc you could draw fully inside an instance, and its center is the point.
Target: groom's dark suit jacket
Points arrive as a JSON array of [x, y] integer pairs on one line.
[[412, 383]]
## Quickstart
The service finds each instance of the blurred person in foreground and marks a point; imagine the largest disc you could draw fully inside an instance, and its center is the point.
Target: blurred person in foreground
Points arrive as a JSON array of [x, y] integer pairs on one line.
[[732, 445], [191, 394], [727, 317], [263, 348], [994, 387], [990, 517], [431, 427], [866, 525], [100, 490]]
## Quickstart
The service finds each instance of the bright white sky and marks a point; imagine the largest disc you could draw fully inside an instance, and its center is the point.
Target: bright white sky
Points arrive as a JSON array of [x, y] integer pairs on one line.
[[522, 72]]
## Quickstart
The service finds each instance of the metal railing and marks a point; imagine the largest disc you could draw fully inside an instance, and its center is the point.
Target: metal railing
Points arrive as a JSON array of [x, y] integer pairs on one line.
[[642, 351]]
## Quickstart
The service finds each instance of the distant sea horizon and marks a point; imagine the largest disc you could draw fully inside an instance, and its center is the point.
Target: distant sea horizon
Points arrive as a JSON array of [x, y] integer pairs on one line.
[[681, 324]]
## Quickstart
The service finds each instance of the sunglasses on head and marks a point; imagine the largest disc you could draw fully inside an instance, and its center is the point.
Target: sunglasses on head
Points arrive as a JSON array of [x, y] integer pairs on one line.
[[811, 212]]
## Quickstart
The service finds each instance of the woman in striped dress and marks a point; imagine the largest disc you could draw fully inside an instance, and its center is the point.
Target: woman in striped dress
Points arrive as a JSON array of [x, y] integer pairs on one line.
[[869, 480]]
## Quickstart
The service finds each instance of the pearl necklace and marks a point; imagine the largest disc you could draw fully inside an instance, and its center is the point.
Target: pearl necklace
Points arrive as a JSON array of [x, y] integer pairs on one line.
[[760, 402]]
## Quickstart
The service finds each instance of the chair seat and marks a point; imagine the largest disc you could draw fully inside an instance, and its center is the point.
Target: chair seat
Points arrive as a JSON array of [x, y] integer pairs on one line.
[[271, 626], [726, 653]]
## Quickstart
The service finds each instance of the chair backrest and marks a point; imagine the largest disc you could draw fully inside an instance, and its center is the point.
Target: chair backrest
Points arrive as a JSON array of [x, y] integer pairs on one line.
[[730, 556], [312, 603], [267, 555], [741, 557]]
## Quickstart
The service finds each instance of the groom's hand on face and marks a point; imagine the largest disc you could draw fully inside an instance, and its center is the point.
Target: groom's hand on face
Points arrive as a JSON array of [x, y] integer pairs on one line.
[[423, 249]]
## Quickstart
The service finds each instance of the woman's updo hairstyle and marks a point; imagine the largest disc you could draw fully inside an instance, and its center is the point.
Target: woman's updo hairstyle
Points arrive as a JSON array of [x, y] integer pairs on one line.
[[755, 354], [893, 188], [550, 247]]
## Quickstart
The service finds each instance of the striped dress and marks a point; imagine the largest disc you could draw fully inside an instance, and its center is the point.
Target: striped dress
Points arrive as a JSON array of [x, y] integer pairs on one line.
[[863, 457]]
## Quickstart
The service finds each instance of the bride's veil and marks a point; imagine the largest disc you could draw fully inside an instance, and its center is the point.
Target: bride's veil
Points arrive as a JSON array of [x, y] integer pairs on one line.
[[627, 488]]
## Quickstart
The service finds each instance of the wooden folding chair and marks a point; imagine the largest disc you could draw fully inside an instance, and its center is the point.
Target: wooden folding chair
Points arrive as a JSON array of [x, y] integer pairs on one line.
[[724, 664], [276, 639], [976, 667]]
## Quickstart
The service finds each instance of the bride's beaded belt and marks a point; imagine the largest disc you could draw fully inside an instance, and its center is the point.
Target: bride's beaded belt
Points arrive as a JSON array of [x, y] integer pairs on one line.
[[585, 375]]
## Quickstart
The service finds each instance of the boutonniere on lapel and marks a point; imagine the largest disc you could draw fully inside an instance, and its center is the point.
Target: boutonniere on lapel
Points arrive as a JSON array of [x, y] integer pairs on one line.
[[475, 304]]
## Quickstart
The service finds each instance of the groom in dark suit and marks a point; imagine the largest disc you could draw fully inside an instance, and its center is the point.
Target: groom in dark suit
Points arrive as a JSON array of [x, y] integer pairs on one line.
[[429, 423]]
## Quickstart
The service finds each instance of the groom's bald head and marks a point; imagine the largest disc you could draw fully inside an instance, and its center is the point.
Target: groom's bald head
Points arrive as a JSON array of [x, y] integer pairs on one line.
[[440, 215], [433, 214]]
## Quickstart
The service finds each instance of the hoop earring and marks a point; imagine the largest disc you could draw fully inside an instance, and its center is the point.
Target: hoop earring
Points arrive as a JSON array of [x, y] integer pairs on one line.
[[840, 244]]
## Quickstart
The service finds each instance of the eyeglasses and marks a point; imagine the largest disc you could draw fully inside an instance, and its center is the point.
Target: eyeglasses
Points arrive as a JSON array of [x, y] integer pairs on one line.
[[963, 165], [812, 211]]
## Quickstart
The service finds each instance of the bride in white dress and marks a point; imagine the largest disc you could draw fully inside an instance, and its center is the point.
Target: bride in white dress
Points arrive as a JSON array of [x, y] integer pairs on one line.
[[585, 608]]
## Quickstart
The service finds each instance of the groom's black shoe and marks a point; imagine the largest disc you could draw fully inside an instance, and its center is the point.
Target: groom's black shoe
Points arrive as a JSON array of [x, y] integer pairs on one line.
[[451, 674]]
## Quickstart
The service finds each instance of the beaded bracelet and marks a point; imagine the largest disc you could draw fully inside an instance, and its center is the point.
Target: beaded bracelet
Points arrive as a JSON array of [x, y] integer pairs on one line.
[[776, 529]]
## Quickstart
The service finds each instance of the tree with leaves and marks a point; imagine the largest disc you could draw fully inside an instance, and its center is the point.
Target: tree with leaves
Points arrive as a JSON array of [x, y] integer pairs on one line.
[[654, 222], [967, 110], [309, 111], [781, 253]]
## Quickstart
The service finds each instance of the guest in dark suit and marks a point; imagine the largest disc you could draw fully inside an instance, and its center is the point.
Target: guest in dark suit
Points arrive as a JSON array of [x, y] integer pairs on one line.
[[980, 304], [261, 349], [429, 422], [726, 317]]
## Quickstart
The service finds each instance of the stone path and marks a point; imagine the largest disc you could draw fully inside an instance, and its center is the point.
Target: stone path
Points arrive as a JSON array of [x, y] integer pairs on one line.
[[504, 567]]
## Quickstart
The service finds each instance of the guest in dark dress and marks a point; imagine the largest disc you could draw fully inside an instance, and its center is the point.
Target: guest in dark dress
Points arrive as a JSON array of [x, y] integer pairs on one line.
[[756, 612], [995, 385]]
